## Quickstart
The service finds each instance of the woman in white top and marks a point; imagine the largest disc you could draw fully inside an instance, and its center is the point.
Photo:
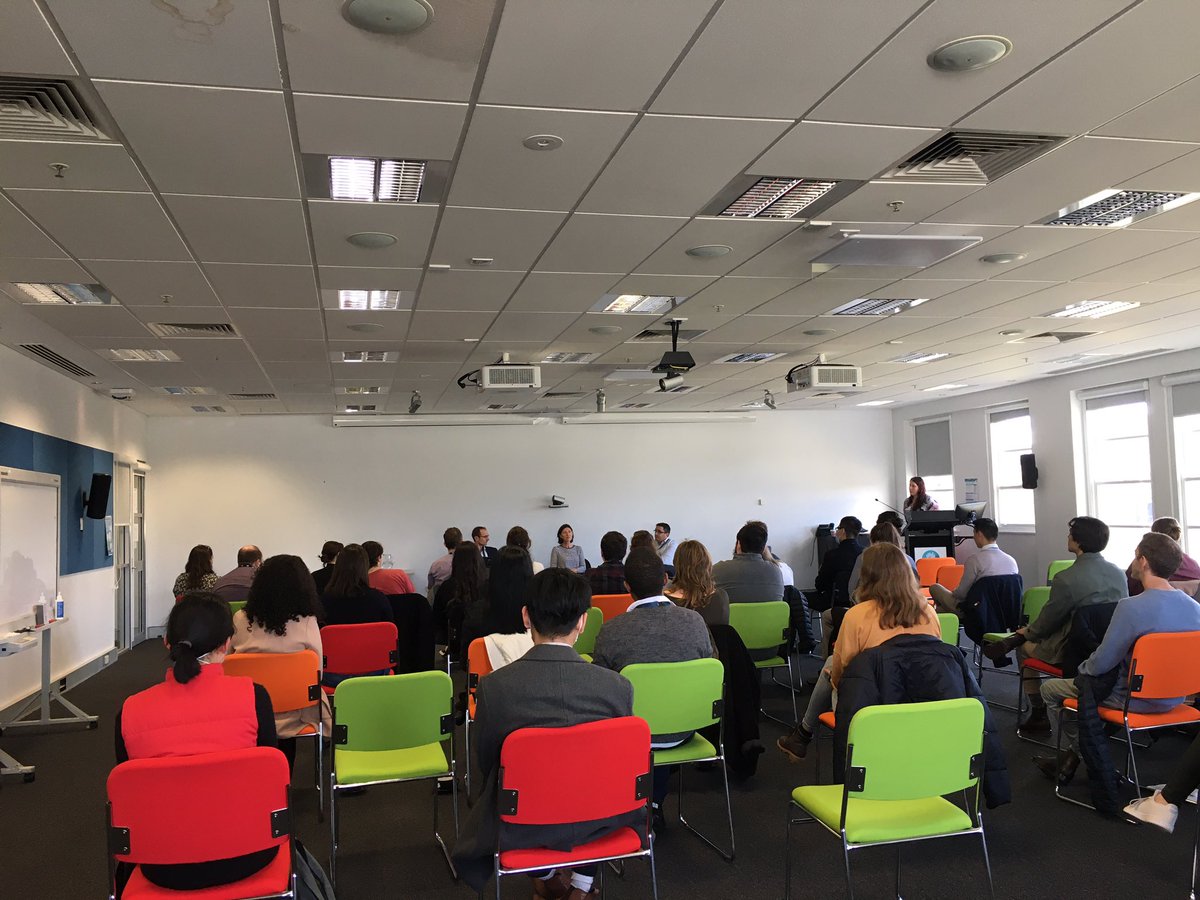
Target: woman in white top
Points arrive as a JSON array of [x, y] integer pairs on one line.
[[568, 554], [519, 537]]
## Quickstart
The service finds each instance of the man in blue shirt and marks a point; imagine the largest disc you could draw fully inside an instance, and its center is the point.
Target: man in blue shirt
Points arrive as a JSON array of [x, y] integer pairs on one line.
[[1160, 608]]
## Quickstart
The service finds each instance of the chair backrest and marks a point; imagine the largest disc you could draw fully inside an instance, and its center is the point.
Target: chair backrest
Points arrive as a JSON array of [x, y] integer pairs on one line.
[[1165, 665], [586, 642], [612, 605], [552, 776], [358, 649], [1057, 566], [678, 696], [927, 568], [949, 577], [760, 625], [478, 665], [239, 805], [883, 741], [1033, 601], [235, 606], [949, 623], [292, 679], [393, 712]]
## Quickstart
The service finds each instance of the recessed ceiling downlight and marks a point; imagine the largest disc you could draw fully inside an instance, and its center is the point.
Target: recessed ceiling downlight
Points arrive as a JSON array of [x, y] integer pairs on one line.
[[371, 240], [708, 251], [605, 329], [969, 54], [1002, 259], [388, 16]]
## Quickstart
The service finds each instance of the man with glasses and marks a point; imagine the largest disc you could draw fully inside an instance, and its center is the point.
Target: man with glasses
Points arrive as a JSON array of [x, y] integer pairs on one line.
[[664, 544]]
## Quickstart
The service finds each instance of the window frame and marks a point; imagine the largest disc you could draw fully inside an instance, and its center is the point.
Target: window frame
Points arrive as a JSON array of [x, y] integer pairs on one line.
[[912, 434], [993, 487]]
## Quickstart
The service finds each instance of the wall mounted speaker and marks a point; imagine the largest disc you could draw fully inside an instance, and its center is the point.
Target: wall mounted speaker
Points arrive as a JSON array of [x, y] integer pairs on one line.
[[97, 498], [1029, 471]]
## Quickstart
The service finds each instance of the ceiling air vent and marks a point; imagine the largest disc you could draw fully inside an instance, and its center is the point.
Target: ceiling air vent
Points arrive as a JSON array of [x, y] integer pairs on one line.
[[192, 330], [749, 357], [663, 335], [253, 397], [777, 197], [923, 356], [569, 358], [59, 362], [971, 157], [1094, 360], [45, 109], [1056, 337], [634, 405], [1092, 309], [184, 391], [364, 356], [208, 409], [1116, 209], [565, 395], [678, 389], [500, 407], [875, 307]]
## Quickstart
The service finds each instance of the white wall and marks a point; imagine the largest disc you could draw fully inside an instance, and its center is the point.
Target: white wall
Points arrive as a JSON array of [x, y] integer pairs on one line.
[[33, 397], [290, 483], [1053, 413]]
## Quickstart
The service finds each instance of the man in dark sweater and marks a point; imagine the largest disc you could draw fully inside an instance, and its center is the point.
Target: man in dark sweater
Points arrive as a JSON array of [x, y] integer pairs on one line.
[[653, 630], [609, 576], [833, 578]]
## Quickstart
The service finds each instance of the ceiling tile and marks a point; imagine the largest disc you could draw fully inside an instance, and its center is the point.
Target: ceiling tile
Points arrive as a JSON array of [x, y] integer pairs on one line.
[[682, 286], [435, 351], [497, 170], [792, 54], [673, 165], [334, 220], [1180, 174], [820, 295], [268, 350], [240, 284], [792, 256], [1159, 265], [836, 150], [529, 326], [185, 138], [286, 324], [134, 225], [365, 278], [735, 295], [919, 201], [392, 324], [184, 315], [746, 237], [246, 230], [460, 289], [137, 283], [375, 126], [327, 54], [104, 321], [91, 167], [511, 237], [45, 270], [1118, 246], [449, 326], [559, 292], [983, 297], [27, 44], [750, 329], [23, 238], [186, 43], [600, 243], [1168, 117], [1035, 241]]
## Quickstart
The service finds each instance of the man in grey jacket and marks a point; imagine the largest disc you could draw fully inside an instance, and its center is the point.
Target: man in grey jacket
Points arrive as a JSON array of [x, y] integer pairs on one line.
[[1091, 579]]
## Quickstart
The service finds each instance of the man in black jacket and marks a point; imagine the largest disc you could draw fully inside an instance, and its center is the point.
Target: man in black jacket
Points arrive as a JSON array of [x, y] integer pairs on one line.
[[833, 578]]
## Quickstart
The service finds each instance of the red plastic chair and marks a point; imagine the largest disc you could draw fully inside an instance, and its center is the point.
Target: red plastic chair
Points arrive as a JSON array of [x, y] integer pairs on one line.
[[612, 605], [927, 569], [146, 827], [950, 576], [556, 776], [364, 649], [478, 665]]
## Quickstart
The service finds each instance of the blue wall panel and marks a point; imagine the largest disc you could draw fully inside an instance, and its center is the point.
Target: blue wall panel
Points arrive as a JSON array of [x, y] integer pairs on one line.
[[74, 463]]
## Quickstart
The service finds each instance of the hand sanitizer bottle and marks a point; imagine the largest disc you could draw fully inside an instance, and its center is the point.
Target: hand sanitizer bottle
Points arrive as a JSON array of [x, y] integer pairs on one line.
[[58, 606]]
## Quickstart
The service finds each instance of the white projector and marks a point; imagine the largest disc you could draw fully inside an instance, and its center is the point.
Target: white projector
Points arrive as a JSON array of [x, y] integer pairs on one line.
[[510, 376], [825, 377]]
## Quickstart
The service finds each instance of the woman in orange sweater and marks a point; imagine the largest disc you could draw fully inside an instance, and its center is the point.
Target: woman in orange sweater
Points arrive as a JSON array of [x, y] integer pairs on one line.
[[888, 602]]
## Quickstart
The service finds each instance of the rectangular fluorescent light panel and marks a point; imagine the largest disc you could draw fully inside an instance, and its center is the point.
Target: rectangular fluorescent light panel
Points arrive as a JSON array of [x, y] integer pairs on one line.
[[944, 387], [1116, 209], [777, 198], [636, 304], [64, 294], [367, 356], [634, 405], [140, 355], [875, 307], [877, 403], [369, 300], [360, 389], [915, 358], [186, 391], [357, 407], [567, 358], [749, 357], [1093, 309], [375, 180]]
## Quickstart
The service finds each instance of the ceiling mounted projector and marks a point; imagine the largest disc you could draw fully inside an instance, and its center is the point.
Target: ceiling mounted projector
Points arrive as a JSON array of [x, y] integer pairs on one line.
[[675, 361]]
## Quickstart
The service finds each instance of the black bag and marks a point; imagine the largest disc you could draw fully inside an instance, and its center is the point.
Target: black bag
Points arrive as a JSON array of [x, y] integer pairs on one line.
[[311, 881]]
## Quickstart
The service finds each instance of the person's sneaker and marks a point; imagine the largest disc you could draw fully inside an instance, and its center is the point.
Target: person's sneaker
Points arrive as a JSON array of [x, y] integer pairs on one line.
[[795, 745], [997, 650], [557, 887], [1061, 768], [1037, 723], [1150, 811]]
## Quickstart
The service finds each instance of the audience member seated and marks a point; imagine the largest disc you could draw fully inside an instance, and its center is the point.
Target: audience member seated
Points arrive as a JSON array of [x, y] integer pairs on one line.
[[350, 599], [748, 578], [641, 540], [890, 604], [609, 576], [234, 586], [197, 709], [664, 544], [280, 616], [519, 537], [653, 630], [989, 560], [1161, 809], [329, 552], [507, 589], [1091, 580], [1187, 576], [387, 581], [480, 536], [198, 574], [882, 533], [693, 587], [463, 590], [568, 554], [789, 577], [1158, 608], [439, 569], [833, 576], [549, 687], [893, 518]]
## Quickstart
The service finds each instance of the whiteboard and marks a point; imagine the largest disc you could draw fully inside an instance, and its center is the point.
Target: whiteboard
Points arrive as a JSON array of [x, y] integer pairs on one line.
[[28, 540]]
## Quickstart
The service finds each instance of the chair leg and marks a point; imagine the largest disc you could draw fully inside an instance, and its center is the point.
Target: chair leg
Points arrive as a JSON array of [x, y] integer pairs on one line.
[[1195, 857], [653, 871], [787, 854], [333, 832], [792, 688], [987, 863], [467, 752], [1131, 762], [728, 857], [846, 857], [437, 834], [320, 772], [1057, 754], [898, 892], [497, 877]]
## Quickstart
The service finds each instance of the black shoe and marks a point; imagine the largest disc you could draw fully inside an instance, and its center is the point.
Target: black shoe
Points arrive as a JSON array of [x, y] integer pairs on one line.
[[795, 745], [660, 820], [1037, 723], [1060, 768], [998, 650], [445, 785]]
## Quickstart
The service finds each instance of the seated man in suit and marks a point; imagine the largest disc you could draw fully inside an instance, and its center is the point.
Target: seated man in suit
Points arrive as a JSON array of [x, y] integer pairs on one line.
[[653, 630], [549, 687]]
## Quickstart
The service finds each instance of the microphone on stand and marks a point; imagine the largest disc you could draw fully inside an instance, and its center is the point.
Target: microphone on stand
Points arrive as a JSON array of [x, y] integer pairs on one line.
[[889, 506]]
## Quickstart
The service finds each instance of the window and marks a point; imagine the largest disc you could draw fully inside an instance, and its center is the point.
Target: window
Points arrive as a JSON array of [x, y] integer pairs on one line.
[[1185, 401], [1010, 435], [933, 461], [1117, 460]]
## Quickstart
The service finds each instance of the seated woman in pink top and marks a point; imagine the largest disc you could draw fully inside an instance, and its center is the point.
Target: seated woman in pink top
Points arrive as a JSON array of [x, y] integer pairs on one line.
[[887, 603]]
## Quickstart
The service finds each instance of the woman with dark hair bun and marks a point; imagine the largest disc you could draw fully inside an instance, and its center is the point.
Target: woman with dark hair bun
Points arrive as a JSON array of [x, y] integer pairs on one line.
[[197, 709], [350, 599], [461, 592], [329, 552], [198, 574]]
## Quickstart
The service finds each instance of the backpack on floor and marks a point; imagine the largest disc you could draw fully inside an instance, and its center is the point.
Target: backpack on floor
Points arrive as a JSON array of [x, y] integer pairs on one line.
[[311, 881]]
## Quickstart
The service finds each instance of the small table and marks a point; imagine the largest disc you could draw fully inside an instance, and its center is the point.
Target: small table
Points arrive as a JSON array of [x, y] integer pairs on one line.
[[48, 694]]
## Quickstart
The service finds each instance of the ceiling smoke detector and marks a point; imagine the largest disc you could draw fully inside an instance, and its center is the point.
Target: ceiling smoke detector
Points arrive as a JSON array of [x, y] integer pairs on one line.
[[1002, 259], [542, 142], [371, 240], [388, 16], [969, 54], [708, 251]]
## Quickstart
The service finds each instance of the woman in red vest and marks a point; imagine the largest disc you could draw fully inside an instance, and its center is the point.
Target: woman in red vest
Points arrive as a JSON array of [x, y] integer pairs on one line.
[[198, 709]]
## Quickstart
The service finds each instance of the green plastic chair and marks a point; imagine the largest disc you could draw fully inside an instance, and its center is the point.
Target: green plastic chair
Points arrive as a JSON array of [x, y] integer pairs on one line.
[[678, 697], [1057, 566], [888, 800], [950, 624], [392, 728], [764, 626], [1032, 602], [235, 605], [586, 642]]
